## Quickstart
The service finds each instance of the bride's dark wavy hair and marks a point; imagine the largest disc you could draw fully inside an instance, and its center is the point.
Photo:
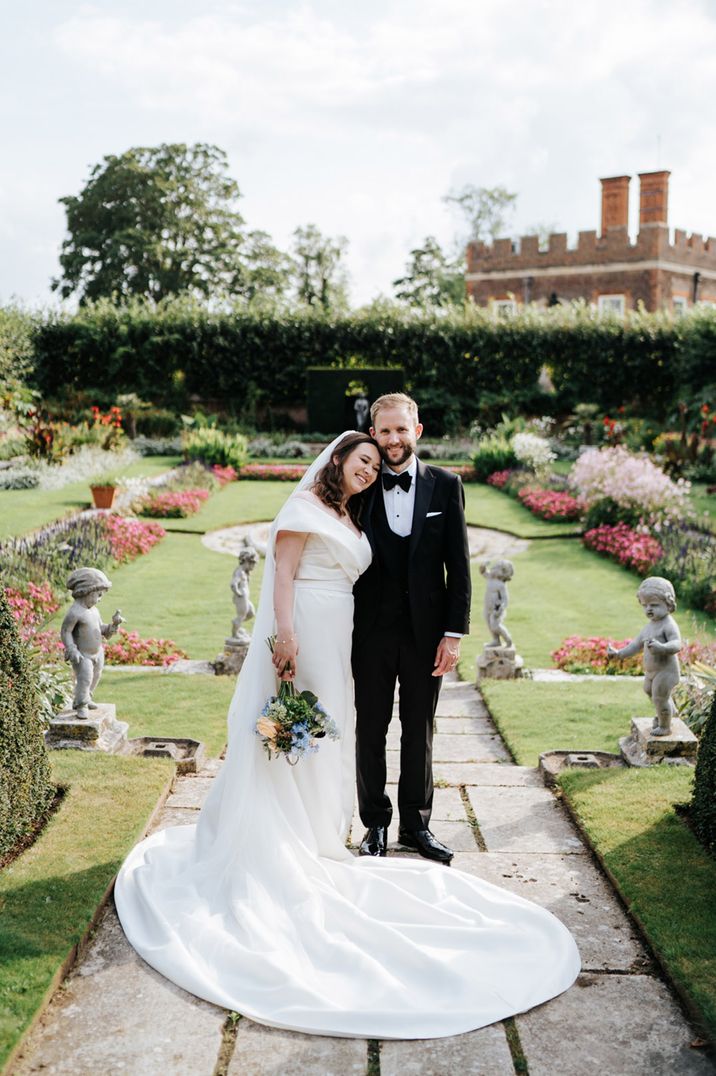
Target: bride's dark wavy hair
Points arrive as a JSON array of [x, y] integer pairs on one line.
[[329, 481]]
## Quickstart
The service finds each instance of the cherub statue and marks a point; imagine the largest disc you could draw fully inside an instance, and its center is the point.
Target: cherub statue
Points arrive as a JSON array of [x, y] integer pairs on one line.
[[496, 599], [660, 640], [82, 632], [248, 559]]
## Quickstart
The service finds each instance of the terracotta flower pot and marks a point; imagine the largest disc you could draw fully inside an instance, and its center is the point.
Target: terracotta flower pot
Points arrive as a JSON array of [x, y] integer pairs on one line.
[[103, 496]]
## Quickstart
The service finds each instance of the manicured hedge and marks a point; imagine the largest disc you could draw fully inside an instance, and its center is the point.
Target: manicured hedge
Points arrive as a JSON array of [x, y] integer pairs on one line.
[[459, 365], [25, 786], [703, 803]]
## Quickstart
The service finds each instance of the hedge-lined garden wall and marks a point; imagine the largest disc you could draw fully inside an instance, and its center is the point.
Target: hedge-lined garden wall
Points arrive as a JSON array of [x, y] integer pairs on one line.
[[459, 365]]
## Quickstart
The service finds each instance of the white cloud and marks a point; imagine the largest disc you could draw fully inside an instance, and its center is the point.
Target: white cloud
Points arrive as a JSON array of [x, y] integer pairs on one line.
[[360, 117]]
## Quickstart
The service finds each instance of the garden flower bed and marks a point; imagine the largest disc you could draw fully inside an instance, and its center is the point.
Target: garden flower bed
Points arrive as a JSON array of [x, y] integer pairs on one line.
[[551, 504], [630, 548], [173, 504], [131, 649], [281, 472], [581, 654]]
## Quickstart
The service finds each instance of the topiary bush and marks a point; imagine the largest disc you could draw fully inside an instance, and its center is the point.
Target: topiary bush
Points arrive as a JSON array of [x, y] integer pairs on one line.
[[25, 786], [212, 446], [494, 453], [703, 802]]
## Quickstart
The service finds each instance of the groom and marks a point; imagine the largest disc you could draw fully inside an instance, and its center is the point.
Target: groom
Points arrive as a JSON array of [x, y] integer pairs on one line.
[[412, 606]]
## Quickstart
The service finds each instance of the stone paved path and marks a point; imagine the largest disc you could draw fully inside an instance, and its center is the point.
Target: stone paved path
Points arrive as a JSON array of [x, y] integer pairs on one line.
[[114, 1014]]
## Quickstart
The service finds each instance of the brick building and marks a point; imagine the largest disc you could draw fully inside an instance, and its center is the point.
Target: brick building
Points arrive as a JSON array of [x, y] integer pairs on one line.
[[607, 270]]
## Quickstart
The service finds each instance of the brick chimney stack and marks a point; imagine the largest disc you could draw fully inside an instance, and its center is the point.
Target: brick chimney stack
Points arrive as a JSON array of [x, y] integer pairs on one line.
[[615, 202], [653, 198]]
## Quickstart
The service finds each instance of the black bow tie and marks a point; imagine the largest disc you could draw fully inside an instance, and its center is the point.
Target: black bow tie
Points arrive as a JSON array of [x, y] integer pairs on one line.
[[390, 481]]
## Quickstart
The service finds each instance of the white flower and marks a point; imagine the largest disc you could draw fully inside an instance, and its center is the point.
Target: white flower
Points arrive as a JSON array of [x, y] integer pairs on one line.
[[531, 450]]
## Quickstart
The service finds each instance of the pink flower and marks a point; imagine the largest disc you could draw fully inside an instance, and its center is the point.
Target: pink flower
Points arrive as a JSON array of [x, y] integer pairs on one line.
[[174, 503], [628, 547], [551, 504], [130, 649], [283, 472]]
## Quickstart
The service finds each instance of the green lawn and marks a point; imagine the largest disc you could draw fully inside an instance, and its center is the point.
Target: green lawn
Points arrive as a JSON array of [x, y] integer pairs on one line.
[[704, 503], [49, 895], [168, 704], [23, 510], [489, 507], [560, 589], [537, 716], [665, 876], [237, 502]]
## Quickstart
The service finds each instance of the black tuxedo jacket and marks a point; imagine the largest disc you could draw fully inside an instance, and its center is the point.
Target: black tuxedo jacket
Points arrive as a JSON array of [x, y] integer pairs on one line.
[[439, 584]]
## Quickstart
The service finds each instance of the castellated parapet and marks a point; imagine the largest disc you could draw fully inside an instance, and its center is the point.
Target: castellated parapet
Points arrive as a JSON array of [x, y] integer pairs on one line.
[[655, 270]]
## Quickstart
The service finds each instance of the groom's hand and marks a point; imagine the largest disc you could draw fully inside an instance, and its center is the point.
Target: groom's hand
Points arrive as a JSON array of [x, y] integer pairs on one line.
[[447, 655]]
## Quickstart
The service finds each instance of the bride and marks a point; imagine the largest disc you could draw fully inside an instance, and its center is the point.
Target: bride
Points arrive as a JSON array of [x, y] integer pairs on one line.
[[260, 907]]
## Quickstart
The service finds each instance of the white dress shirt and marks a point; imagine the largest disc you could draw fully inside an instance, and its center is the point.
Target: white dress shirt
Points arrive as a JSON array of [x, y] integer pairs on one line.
[[399, 505]]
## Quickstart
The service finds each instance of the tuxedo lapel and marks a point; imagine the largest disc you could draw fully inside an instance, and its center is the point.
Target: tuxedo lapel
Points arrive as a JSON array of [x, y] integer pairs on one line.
[[424, 482]]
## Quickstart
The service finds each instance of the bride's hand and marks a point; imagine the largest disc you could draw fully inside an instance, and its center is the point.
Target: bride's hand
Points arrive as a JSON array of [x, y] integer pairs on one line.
[[285, 652]]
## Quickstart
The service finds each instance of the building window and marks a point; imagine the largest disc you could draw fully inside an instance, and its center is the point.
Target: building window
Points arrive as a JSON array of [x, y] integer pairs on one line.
[[504, 308], [680, 305], [610, 304]]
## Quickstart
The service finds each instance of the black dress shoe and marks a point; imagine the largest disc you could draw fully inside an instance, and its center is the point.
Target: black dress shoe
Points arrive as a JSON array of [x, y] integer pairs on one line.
[[375, 842], [423, 841]]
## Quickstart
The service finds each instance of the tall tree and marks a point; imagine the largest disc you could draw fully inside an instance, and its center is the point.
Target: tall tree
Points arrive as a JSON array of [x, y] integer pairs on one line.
[[155, 221], [318, 273], [485, 210], [431, 278]]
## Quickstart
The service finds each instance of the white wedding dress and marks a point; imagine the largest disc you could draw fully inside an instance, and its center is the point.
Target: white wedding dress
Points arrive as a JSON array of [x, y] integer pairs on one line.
[[261, 908]]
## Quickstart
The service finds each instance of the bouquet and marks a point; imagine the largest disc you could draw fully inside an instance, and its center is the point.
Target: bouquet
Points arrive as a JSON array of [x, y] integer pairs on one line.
[[292, 722]]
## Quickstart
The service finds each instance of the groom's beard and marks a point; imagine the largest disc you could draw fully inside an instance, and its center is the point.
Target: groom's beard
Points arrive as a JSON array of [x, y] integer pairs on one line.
[[399, 458]]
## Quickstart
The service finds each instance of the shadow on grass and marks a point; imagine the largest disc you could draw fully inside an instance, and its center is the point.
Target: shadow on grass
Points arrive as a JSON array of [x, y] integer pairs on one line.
[[40, 924]]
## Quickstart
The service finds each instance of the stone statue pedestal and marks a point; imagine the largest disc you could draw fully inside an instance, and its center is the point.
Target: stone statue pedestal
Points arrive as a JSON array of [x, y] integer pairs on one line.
[[235, 650], [99, 732], [499, 663], [642, 748]]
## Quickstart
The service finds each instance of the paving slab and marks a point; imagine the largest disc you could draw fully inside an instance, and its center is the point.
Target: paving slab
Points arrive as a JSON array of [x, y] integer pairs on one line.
[[523, 820], [116, 1014], [501, 775], [480, 726], [463, 748], [174, 816], [573, 889], [267, 1051], [448, 806], [467, 773], [620, 1025], [477, 1053], [189, 792]]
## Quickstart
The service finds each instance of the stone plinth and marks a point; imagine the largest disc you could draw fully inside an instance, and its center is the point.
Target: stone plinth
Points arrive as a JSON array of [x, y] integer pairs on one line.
[[99, 732], [188, 754], [642, 748], [499, 663], [230, 662]]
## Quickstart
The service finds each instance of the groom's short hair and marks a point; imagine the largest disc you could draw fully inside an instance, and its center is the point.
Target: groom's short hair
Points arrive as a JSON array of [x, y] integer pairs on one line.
[[393, 399]]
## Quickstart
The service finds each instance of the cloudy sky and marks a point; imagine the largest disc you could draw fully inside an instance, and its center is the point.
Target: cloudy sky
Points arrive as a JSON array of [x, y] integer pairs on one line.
[[357, 117]]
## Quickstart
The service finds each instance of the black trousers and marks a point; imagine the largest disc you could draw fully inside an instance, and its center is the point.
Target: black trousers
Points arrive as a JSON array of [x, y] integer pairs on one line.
[[390, 654]]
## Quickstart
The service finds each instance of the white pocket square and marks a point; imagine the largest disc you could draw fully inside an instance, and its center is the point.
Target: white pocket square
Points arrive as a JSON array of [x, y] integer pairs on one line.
[[433, 514]]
